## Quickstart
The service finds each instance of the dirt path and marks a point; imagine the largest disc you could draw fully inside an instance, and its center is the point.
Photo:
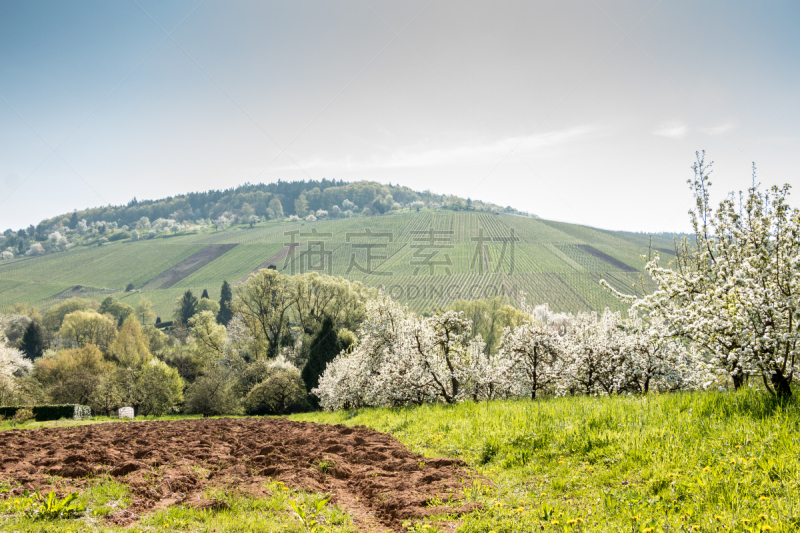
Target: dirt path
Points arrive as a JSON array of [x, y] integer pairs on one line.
[[370, 474]]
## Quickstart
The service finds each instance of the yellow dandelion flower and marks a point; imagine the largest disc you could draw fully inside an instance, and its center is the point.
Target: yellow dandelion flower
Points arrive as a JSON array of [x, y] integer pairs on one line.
[[762, 516], [745, 521], [764, 498], [520, 510], [543, 495], [635, 518], [579, 520], [648, 530], [766, 528], [571, 522], [555, 522], [695, 528], [707, 469], [718, 518]]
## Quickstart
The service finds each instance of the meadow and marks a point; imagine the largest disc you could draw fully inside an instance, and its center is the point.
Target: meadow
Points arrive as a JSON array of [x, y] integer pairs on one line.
[[706, 461], [548, 261]]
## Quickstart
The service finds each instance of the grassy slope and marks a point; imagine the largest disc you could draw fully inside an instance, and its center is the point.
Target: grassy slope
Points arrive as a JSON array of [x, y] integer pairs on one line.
[[683, 462], [548, 265]]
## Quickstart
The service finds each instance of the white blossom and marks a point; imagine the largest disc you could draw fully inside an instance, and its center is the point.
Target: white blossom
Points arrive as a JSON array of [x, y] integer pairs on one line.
[[734, 293], [35, 249], [12, 364], [402, 358]]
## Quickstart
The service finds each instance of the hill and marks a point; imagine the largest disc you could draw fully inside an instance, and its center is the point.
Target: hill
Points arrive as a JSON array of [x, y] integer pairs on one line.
[[424, 258]]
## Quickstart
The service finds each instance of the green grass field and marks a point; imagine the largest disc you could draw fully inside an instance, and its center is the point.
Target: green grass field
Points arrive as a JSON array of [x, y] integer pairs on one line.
[[680, 462], [546, 262], [244, 514], [657, 464]]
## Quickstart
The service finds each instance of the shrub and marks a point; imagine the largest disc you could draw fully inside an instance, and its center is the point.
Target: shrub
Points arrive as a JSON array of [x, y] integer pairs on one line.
[[281, 390], [43, 413], [161, 389], [212, 394], [118, 236], [23, 414]]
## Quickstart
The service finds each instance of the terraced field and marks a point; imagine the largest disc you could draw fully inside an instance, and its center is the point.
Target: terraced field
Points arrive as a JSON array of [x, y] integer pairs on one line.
[[425, 259]]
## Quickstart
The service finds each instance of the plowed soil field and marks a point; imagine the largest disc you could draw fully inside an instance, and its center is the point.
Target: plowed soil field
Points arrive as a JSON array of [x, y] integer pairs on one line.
[[370, 474]]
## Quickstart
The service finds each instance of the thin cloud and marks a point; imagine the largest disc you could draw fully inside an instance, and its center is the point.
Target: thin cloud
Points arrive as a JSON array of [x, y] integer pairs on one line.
[[722, 129], [672, 129], [454, 154]]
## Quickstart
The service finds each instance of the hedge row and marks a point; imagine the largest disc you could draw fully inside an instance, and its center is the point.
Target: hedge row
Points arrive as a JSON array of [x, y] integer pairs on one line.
[[43, 413], [118, 236]]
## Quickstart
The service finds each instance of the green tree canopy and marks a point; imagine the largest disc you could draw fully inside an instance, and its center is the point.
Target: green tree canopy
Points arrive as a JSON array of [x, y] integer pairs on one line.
[[325, 346], [32, 342], [225, 300], [185, 307], [120, 311]]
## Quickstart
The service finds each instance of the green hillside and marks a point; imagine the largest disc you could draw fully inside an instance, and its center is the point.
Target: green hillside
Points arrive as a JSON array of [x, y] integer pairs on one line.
[[469, 255]]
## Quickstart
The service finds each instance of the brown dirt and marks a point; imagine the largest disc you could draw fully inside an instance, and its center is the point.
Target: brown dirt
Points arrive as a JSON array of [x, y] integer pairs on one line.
[[190, 265], [80, 291], [602, 256], [371, 475]]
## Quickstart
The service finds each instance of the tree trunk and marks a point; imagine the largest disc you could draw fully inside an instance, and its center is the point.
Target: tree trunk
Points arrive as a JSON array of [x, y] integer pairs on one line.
[[738, 381], [782, 385]]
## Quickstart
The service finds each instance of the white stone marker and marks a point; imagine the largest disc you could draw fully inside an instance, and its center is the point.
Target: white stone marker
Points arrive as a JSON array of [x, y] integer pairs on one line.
[[125, 412]]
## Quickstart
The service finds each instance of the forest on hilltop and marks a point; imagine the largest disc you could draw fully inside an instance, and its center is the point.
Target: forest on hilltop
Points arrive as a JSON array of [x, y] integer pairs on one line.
[[248, 203]]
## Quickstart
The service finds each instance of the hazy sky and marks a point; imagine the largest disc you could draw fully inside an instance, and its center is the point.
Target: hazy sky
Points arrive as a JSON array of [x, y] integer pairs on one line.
[[582, 111]]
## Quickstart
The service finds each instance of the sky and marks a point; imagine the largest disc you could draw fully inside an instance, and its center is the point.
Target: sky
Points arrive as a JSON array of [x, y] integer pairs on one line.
[[581, 111]]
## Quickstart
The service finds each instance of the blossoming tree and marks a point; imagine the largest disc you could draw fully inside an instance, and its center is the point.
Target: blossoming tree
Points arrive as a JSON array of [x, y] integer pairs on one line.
[[734, 291]]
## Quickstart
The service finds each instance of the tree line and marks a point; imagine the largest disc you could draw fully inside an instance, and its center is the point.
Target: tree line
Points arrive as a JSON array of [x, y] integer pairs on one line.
[[726, 312], [257, 350]]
